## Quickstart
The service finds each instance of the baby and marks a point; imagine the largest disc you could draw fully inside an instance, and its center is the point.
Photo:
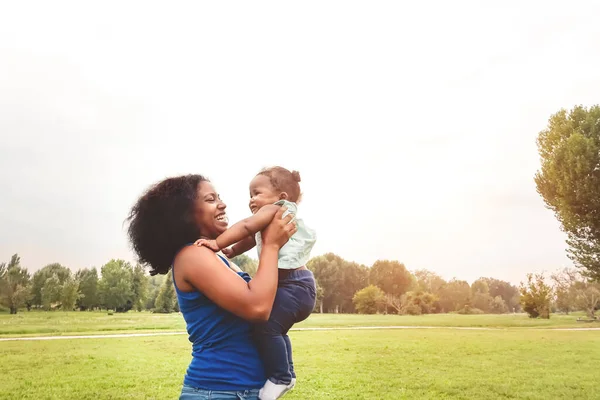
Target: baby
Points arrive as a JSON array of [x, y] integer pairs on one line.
[[296, 291]]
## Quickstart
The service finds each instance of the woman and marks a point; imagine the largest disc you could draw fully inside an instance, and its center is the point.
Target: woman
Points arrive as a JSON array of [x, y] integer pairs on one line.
[[218, 301]]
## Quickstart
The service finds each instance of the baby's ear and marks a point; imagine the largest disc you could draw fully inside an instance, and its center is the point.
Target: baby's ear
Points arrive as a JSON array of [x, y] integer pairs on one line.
[[283, 196]]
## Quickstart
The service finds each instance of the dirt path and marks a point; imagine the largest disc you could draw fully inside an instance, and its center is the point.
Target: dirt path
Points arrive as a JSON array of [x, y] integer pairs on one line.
[[341, 328]]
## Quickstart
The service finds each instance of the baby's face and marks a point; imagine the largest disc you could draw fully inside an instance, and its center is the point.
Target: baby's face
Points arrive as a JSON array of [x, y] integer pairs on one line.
[[262, 193]]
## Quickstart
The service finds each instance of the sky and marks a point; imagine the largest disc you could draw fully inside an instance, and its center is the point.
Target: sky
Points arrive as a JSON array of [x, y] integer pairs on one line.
[[413, 124]]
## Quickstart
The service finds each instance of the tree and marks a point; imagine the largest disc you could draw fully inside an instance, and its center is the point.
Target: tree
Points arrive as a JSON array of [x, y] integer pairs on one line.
[[69, 294], [319, 297], [115, 286], [88, 286], [480, 296], [326, 269], [565, 297], [569, 181], [353, 278], [340, 280], [419, 302], [139, 286], [498, 306], [166, 301], [454, 295], [535, 296], [154, 285], [246, 264], [427, 281], [368, 300], [14, 284], [587, 296], [508, 292], [393, 304], [482, 301], [40, 277], [575, 292], [51, 292], [391, 276]]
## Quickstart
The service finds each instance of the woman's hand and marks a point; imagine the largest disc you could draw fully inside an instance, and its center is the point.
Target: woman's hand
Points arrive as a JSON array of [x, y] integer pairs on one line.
[[280, 230]]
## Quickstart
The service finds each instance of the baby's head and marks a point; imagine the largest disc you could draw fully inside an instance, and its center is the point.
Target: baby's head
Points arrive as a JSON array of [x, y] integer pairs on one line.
[[273, 184]]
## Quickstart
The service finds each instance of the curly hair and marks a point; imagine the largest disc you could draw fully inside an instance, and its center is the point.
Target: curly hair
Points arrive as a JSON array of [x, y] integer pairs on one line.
[[284, 180], [162, 221]]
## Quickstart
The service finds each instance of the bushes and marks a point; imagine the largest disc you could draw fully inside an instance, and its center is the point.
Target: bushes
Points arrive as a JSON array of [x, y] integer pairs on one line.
[[417, 303], [412, 309], [368, 300], [468, 310], [535, 296]]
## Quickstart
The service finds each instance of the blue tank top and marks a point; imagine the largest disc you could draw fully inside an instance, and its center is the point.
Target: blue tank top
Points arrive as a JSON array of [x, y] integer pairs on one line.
[[224, 356]]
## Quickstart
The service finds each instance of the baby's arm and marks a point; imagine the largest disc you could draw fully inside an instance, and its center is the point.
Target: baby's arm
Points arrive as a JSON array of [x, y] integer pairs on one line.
[[247, 227], [240, 247]]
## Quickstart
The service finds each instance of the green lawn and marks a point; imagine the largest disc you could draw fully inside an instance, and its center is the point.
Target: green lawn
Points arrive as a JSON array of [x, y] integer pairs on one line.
[[65, 323], [58, 322], [378, 364], [441, 320]]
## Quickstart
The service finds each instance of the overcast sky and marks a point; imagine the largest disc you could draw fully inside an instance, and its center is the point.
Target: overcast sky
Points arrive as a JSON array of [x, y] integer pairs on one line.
[[413, 125]]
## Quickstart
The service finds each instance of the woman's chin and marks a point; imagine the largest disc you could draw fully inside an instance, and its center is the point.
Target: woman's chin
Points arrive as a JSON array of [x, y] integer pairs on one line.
[[221, 226]]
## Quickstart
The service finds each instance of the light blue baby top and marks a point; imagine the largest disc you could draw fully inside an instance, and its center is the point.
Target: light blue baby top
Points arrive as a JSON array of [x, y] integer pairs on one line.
[[296, 252]]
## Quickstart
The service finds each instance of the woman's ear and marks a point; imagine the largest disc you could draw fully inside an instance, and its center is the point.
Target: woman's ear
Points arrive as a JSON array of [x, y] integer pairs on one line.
[[283, 196]]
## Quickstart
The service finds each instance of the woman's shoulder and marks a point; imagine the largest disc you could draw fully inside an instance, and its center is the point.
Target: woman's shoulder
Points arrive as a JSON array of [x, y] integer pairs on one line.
[[191, 253], [197, 256]]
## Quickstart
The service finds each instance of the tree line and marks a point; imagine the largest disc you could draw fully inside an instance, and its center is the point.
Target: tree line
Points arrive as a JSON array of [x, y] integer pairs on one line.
[[343, 286], [120, 286]]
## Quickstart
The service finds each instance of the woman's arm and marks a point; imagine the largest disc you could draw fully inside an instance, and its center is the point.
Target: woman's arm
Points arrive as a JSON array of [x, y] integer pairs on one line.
[[200, 268], [240, 247]]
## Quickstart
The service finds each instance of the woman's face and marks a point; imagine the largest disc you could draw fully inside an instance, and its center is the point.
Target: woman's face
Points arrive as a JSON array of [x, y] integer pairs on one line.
[[209, 211]]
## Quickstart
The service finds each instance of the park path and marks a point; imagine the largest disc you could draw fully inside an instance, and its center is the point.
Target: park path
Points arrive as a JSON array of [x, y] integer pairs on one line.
[[333, 328]]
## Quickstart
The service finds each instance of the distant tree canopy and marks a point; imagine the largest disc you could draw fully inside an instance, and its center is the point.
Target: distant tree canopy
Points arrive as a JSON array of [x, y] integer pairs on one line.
[[14, 284], [40, 278], [116, 285], [574, 292], [343, 286], [246, 264], [166, 301], [339, 280], [88, 286]]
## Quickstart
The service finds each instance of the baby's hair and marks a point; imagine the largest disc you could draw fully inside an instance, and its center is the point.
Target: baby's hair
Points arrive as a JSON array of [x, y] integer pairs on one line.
[[284, 181]]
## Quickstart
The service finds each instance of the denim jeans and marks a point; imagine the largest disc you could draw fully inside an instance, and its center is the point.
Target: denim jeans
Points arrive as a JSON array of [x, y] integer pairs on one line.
[[294, 302], [192, 393]]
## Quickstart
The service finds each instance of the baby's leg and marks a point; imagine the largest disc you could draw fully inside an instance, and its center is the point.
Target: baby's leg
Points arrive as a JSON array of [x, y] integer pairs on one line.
[[288, 347], [304, 294], [270, 338], [273, 351], [294, 301]]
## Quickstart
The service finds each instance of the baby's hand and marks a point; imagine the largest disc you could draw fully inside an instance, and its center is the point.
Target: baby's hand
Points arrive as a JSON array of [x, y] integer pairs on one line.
[[211, 244], [229, 253]]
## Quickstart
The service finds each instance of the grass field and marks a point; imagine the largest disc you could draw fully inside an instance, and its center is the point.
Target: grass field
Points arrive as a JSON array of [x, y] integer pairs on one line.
[[520, 361], [66, 323]]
